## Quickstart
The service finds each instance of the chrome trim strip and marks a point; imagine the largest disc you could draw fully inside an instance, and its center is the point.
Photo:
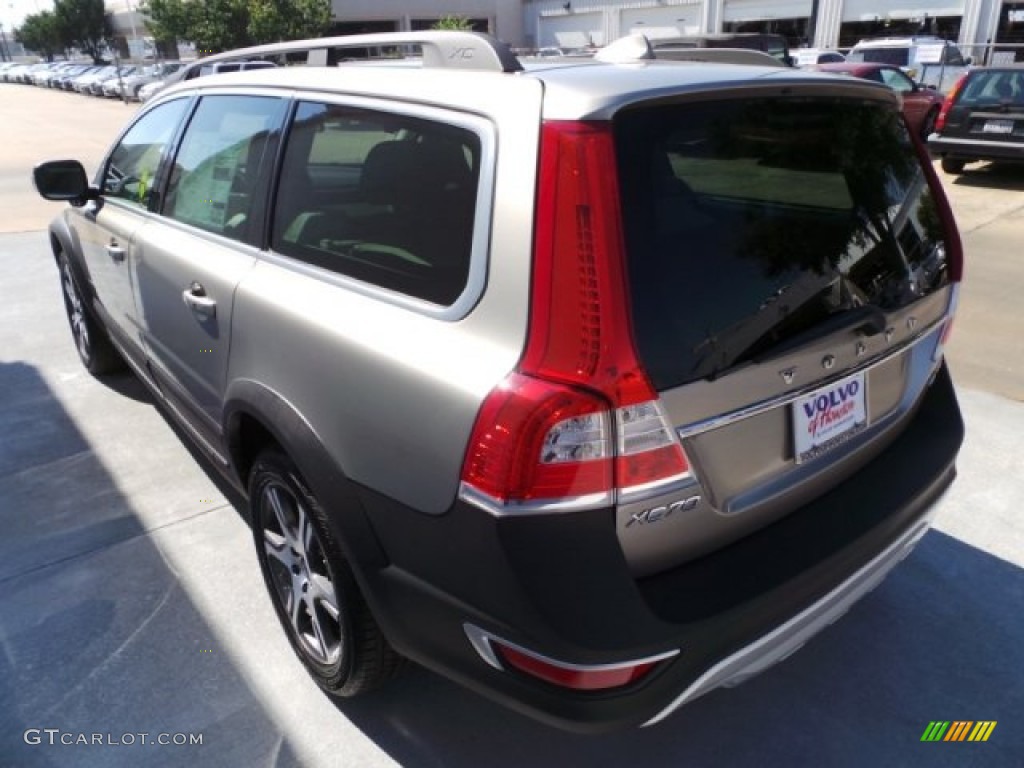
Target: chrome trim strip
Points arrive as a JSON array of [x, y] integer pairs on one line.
[[789, 637], [690, 430], [488, 503], [634, 493], [481, 641], [954, 303]]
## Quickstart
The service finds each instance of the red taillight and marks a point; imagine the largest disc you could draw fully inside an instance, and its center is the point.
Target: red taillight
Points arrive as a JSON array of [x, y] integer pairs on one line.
[[940, 122], [579, 417], [574, 677], [536, 440], [580, 329]]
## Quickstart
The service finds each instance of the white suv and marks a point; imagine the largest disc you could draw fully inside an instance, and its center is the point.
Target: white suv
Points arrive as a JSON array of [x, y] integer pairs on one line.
[[914, 55]]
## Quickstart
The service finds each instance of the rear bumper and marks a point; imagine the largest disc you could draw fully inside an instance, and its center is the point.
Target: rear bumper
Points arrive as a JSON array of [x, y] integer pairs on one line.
[[559, 584], [977, 149], [788, 638]]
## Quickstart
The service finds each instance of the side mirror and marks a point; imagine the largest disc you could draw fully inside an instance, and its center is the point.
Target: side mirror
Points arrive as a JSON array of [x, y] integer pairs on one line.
[[968, 60], [62, 181]]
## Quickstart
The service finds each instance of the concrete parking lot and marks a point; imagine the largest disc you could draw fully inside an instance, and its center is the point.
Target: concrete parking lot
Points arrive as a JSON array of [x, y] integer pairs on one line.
[[131, 602]]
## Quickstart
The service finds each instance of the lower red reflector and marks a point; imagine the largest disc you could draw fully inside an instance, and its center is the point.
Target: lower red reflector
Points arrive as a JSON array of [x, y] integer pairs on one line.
[[578, 679]]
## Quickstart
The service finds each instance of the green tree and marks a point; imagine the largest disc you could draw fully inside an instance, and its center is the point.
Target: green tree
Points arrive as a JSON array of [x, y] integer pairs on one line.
[[272, 20], [84, 25], [167, 20], [41, 32], [453, 22], [217, 25], [220, 25]]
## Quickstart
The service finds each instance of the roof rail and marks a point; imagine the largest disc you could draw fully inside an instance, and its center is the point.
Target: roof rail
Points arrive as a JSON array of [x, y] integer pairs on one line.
[[720, 56], [441, 49], [634, 48]]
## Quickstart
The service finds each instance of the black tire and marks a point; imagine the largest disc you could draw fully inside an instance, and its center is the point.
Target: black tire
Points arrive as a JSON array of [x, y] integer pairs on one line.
[[339, 643], [928, 126], [953, 165], [94, 347]]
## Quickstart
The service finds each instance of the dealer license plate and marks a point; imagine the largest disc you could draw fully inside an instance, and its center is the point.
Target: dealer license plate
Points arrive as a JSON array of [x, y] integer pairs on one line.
[[828, 417], [998, 126]]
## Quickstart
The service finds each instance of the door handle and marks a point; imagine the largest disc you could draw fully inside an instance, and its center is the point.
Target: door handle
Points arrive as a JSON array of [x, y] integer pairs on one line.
[[196, 299], [115, 251]]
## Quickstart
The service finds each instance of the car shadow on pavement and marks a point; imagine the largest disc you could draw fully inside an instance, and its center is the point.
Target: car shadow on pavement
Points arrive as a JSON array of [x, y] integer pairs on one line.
[[126, 384], [942, 639], [98, 638], [992, 176]]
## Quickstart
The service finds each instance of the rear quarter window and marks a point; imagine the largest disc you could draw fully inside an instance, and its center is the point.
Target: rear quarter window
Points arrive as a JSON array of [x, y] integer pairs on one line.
[[384, 198]]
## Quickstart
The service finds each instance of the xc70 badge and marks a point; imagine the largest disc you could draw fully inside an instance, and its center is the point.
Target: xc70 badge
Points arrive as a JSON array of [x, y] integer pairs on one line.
[[657, 514]]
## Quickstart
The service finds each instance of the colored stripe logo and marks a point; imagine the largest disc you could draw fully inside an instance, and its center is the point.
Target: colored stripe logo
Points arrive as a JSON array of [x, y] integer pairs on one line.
[[958, 730]]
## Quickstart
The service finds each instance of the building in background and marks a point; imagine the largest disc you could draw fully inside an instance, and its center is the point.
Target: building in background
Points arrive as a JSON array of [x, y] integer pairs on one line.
[[977, 25], [501, 18]]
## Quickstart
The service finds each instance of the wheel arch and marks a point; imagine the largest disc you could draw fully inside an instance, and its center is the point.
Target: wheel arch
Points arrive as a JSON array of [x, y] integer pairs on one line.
[[257, 418], [63, 240]]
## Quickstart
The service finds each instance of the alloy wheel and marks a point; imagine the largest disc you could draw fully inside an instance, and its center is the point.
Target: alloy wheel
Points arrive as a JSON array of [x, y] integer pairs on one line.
[[76, 314], [300, 575]]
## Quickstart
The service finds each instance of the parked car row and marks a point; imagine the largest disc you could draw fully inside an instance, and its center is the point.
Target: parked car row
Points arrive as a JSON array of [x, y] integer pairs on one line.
[[124, 81]]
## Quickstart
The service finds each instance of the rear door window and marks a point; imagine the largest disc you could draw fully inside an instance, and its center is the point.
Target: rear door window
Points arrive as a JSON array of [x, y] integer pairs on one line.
[[752, 225], [220, 175]]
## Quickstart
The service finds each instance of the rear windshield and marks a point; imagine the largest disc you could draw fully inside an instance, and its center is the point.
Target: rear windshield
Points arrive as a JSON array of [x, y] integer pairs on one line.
[[752, 225], [897, 57], [993, 87]]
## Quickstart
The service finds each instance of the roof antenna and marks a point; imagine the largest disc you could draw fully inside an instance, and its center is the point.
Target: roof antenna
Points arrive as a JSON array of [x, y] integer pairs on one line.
[[626, 49]]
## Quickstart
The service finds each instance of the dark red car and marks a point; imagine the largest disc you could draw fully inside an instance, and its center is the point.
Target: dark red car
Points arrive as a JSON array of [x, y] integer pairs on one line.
[[921, 104]]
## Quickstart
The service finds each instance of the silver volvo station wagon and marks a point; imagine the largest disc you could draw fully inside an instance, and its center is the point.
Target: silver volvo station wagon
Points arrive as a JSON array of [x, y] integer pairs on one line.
[[591, 383]]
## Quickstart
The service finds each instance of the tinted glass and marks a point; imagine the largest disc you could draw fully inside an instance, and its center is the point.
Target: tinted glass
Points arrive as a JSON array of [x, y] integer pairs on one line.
[[132, 167], [993, 87], [896, 80], [897, 57], [385, 198], [752, 224], [219, 178]]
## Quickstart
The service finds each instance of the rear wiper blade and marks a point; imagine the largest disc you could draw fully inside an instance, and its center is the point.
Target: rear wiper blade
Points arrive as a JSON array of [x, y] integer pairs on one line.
[[802, 303], [866, 320]]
